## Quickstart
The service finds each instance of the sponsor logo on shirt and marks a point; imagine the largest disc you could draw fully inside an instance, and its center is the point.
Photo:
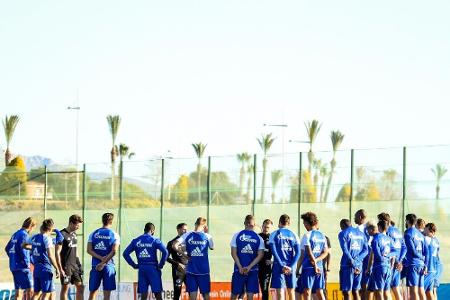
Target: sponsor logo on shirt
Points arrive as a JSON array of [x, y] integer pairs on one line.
[[140, 244], [102, 237], [196, 252], [355, 246], [100, 246], [247, 238], [317, 249], [247, 249], [36, 252], [397, 244], [355, 236], [418, 237], [144, 254], [192, 242], [286, 247], [283, 237]]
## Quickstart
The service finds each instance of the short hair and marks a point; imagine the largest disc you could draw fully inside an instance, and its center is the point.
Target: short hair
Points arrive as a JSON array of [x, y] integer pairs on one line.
[[361, 213], [149, 227], [384, 216], [179, 226], [200, 221], [107, 218], [47, 225], [411, 219], [74, 219], [249, 219], [268, 221], [285, 219], [392, 223], [310, 218], [345, 223], [383, 225], [431, 227], [421, 223], [371, 226], [29, 222]]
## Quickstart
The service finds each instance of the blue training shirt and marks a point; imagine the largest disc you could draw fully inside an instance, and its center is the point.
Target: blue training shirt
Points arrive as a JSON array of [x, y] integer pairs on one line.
[[398, 243], [354, 247], [415, 247], [285, 246], [40, 243], [381, 247], [146, 247], [197, 245], [433, 253], [19, 258], [103, 240], [247, 244], [315, 240]]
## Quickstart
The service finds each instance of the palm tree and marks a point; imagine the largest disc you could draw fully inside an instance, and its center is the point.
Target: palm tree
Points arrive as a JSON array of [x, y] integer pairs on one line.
[[250, 171], [276, 176], [243, 158], [336, 140], [199, 149], [9, 126], [124, 151], [323, 174], [317, 164], [439, 172], [265, 143], [312, 129], [113, 124]]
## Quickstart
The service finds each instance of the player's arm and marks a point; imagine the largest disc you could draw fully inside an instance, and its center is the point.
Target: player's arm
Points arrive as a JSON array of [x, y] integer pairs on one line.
[[211, 242], [275, 254], [8, 245], [51, 256], [370, 263], [409, 241], [402, 254], [58, 248], [111, 254], [363, 253], [165, 254], [127, 255], [345, 251], [91, 251], [236, 258], [328, 257], [426, 253], [297, 255], [322, 255], [170, 260], [178, 242], [257, 259]]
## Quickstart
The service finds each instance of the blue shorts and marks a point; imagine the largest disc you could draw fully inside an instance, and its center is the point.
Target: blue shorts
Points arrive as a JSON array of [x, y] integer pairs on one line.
[[396, 280], [310, 280], [414, 275], [348, 280], [244, 283], [195, 282], [429, 282], [22, 279], [149, 276], [43, 282], [280, 280], [380, 279], [107, 275]]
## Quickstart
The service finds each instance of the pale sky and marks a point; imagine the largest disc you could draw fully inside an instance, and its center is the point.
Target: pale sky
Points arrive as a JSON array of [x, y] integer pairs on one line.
[[186, 71]]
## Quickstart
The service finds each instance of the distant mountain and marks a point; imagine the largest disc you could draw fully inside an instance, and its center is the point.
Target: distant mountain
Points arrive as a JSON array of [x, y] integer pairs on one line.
[[37, 161]]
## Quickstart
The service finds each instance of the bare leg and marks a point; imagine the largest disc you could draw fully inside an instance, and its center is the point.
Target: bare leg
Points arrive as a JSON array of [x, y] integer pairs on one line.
[[319, 294], [356, 295], [378, 295], [280, 294], [306, 294], [80, 290], [144, 296], [64, 290], [290, 293], [19, 294], [92, 295], [36, 296], [158, 296], [249, 296], [205, 296], [413, 293], [422, 293], [346, 295], [193, 296], [106, 295], [397, 293], [387, 295]]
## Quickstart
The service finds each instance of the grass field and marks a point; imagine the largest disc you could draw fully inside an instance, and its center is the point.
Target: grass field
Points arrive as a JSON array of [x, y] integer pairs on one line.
[[226, 220]]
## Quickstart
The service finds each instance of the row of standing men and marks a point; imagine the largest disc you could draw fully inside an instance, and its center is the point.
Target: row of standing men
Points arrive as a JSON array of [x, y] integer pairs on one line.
[[374, 258]]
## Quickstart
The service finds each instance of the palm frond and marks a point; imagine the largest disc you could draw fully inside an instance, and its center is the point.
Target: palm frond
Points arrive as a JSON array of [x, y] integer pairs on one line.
[[113, 124], [336, 139], [312, 129], [199, 149], [9, 126]]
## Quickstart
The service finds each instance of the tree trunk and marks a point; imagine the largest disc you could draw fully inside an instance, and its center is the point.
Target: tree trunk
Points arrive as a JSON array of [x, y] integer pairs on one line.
[[322, 188], [249, 187], [330, 178], [438, 188], [199, 184], [241, 181], [113, 171], [263, 182], [7, 156]]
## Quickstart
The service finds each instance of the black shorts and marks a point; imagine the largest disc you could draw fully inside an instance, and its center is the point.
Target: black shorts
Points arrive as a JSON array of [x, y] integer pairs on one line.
[[74, 275]]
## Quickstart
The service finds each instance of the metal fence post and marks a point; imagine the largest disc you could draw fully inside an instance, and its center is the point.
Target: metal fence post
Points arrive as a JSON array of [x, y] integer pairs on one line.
[[161, 200], [45, 191], [83, 214], [208, 191], [300, 194], [120, 216], [402, 221], [352, 169], [254, 184]]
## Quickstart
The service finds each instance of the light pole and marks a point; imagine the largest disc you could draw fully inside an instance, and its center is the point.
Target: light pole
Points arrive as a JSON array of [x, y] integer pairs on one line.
[[77, 183], [283, 154]]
